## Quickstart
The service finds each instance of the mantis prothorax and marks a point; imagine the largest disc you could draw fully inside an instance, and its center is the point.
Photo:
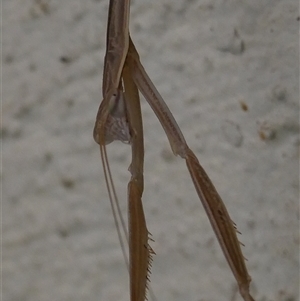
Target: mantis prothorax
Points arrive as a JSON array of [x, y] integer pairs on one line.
[[119, 118]]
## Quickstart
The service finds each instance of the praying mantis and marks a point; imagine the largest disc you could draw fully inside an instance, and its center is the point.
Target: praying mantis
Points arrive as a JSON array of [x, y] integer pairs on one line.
[[119, 118]]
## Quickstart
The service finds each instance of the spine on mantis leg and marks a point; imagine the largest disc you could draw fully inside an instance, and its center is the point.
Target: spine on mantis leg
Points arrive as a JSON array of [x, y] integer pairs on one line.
[[141, 253], [222, 224], [140, 257]]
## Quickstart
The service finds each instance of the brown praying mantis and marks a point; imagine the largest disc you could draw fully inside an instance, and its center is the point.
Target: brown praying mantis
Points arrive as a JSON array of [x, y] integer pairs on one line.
[[119, 118]]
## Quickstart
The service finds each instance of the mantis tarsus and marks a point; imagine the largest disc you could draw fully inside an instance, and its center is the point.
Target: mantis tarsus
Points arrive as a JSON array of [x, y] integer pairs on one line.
[[119, 118]]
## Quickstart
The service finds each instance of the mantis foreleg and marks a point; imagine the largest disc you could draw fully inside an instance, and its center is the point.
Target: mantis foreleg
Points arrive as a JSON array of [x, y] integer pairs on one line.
[[212, 202]]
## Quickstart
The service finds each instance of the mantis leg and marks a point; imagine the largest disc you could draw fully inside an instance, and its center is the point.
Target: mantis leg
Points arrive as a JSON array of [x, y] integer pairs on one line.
[[216, 211], [139, 250], [111, 123], [119, 118], [117, 40]]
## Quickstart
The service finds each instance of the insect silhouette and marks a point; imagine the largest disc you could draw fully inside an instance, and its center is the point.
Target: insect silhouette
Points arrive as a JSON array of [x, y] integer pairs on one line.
[[119, 118]]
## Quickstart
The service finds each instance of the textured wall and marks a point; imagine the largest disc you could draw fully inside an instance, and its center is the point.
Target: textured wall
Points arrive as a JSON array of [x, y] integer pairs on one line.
[[229, 71]]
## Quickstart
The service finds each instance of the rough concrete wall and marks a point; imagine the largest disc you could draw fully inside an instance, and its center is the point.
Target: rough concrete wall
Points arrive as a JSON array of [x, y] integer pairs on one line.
[[229, 72]]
